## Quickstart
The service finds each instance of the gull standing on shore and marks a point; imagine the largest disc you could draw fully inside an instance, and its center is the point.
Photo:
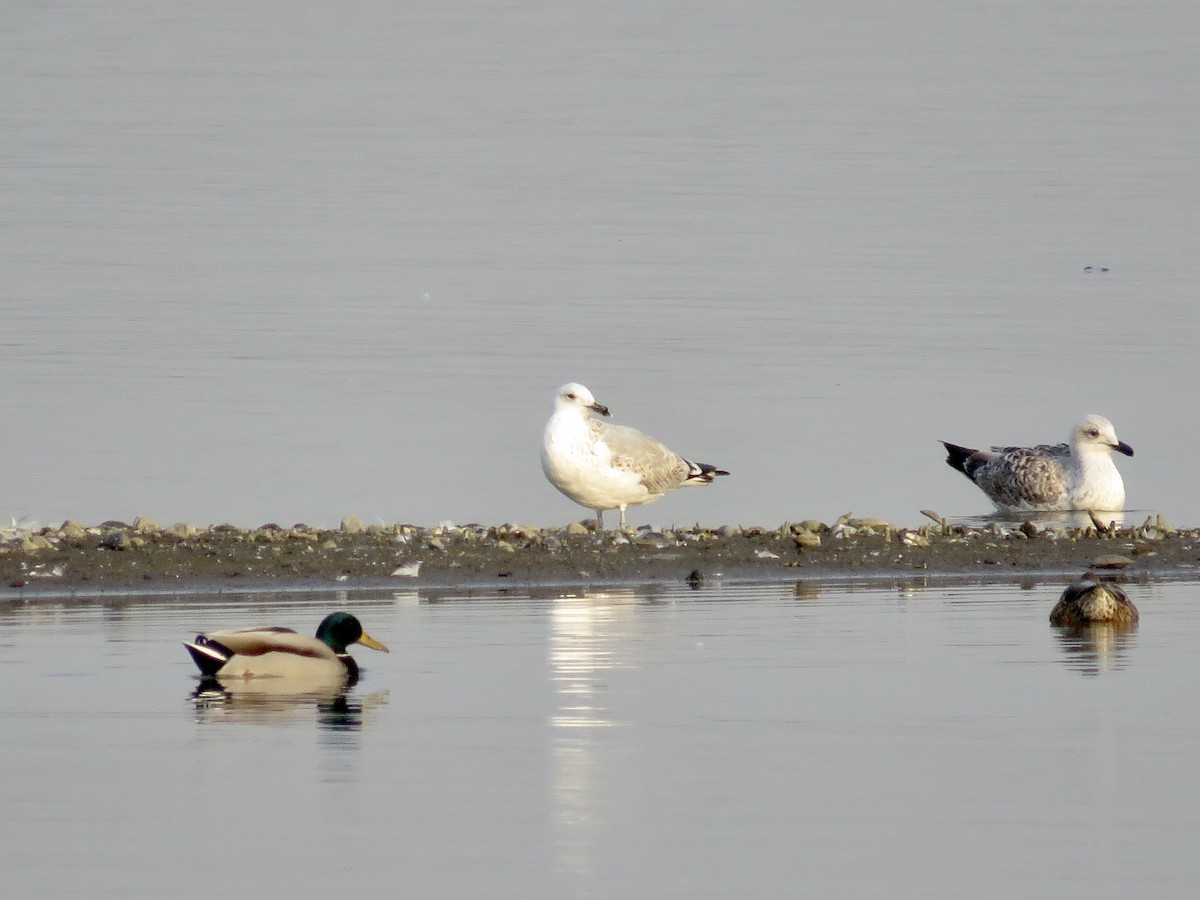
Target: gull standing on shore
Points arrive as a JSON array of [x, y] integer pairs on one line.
[[603, 466], [1079, 475]]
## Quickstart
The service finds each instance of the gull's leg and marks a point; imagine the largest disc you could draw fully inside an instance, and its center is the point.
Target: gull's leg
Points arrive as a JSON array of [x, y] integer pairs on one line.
[[599, 521]]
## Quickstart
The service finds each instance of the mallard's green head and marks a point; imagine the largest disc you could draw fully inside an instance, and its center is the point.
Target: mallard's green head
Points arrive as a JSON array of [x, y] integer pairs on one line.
[[340, 629]]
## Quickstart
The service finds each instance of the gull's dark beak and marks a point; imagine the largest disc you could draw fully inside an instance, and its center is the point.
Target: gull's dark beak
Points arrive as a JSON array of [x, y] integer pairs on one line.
[[1123, 447], [603, 410]]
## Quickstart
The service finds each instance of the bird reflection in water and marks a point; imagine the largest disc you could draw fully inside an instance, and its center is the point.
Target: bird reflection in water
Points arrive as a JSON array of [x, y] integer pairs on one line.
[[1045, 519], [1096, 647], [277, 701]]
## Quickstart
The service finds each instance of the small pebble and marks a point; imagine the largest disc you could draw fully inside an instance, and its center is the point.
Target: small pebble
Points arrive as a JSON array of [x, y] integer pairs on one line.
[[72, 530], [116, 540]]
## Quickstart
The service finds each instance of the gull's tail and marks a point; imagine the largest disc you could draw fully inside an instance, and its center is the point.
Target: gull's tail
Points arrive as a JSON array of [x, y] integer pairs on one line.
[[957, 457], [701, 473]]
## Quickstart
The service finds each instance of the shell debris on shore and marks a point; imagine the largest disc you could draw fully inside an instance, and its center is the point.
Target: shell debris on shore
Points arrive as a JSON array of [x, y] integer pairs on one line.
[[115, 553]]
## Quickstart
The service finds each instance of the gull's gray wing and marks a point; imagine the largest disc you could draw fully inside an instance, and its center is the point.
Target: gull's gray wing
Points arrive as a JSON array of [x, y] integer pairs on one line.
[[1018, 476], [659, 468]]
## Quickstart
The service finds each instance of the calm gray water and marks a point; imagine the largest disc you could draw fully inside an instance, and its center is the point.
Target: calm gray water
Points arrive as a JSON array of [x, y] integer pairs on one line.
[[292, 261], [739, 740]]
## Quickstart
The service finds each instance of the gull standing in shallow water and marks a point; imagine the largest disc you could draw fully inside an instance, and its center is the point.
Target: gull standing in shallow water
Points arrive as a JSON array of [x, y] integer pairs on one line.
[[604, 466], [1075, 476]]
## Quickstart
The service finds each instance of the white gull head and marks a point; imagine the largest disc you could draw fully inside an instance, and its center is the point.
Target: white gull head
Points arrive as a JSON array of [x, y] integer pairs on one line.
[[574, 396], [1095, 434]]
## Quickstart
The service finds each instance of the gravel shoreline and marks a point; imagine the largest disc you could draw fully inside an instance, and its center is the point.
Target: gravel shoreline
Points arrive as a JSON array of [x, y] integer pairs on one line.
[[141, 555]]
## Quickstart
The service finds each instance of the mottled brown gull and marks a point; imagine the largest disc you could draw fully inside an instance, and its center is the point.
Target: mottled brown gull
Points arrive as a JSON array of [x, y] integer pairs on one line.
[[1079, 475], [603, 466]]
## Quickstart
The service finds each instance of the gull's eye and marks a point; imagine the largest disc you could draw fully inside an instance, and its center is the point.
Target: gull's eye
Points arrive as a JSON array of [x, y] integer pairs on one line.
[[1092, 432], [570, 396]]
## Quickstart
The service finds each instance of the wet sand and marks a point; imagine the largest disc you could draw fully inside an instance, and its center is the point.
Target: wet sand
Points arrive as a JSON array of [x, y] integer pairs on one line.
[[74, 558]]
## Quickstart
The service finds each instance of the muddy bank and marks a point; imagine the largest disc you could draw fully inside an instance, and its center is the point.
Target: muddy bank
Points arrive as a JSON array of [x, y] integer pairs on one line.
[[141, 554]]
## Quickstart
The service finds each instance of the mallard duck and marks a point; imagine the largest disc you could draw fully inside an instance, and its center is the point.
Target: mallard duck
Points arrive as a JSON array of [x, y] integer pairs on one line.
[[1091, 600], [281, 652]]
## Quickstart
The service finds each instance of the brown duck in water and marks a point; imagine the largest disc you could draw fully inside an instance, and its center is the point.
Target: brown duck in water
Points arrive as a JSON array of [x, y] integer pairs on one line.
[[1092, 600]]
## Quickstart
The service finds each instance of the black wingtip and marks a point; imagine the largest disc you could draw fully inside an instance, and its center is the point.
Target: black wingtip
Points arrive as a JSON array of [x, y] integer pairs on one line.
[[705, 473], [956, 456]]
